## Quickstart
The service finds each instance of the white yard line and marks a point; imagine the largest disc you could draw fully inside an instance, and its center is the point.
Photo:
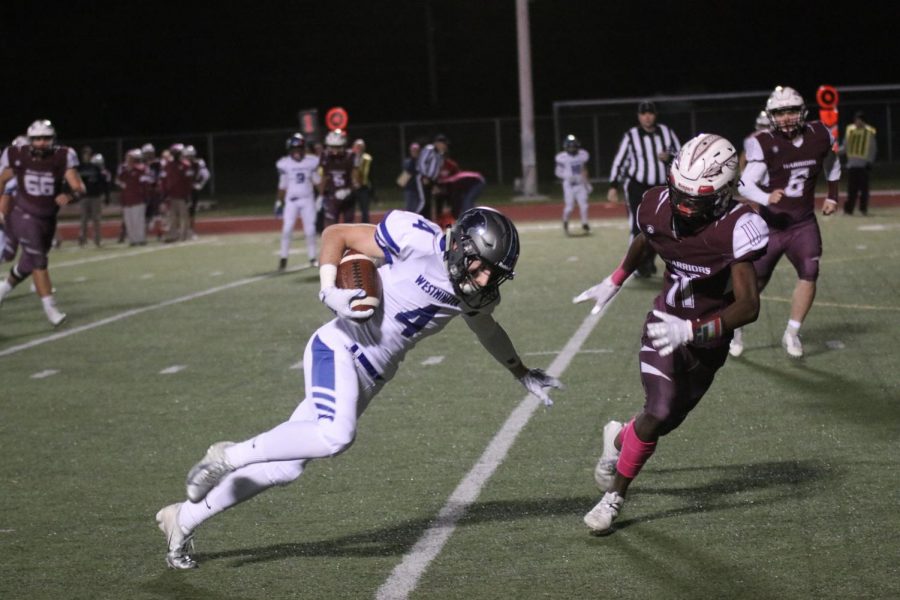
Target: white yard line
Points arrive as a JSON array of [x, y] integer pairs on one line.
[[405, 576], [138, 311], [93, 259]]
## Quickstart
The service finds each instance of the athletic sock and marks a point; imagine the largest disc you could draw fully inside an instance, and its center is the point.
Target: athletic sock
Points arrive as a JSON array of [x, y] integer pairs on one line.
[[635, 452], [793, 327]]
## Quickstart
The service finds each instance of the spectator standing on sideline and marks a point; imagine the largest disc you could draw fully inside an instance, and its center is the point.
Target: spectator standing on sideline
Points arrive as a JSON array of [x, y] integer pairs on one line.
[[428, 167], [407, 178], [40, 168], [177, 183], [429, 277], [362, 195], [201, 176], [572, 170], [298, 173], [707, 242], [782, 168], [92, 170], [152, 177], [132, 181], [339, 178], [464, 189], [859, 148], [642, 162]]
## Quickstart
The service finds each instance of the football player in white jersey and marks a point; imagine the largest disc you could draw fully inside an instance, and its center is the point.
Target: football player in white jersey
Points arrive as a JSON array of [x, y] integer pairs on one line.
[[297, 174], [571, 168], [428, 277]]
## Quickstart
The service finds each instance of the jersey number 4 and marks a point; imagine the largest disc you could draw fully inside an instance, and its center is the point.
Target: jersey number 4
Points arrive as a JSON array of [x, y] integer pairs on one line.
[[416, 319]]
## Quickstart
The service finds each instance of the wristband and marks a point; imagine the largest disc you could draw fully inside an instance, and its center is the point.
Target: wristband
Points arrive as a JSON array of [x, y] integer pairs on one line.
[[327, 276], [708, 330], [619, 276]]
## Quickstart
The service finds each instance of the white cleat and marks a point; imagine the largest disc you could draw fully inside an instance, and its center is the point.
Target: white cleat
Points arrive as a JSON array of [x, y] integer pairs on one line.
[[791, 343], [601, 516], [207, 473], [605, 471], [736, 348], [54, 315], [180, 544]]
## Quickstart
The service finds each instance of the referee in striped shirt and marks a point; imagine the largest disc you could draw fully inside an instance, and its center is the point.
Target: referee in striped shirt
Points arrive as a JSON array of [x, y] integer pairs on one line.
[[642, 162], [431, 159]]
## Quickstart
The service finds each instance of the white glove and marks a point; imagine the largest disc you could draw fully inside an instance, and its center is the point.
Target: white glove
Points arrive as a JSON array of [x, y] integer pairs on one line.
[[320, 202], [602, 293], [338, 300], [588, 187], [536, 380], [670, 333], [279, 208], [342, 193]]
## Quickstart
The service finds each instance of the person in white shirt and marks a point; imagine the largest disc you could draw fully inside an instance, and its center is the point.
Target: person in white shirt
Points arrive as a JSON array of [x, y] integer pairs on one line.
[[572, 170], [297, 176], [428, 278]]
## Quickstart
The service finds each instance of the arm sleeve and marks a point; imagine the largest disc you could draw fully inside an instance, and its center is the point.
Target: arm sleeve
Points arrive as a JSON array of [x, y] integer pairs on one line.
[[753, 173], [494, 338], [560, 170]]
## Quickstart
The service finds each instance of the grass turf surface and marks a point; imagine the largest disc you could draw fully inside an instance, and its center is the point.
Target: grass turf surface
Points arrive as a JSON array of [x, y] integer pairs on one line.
[[783, 481]]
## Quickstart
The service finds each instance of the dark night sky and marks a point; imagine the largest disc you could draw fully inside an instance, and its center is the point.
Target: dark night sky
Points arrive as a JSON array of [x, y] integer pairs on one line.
[[133, 68]]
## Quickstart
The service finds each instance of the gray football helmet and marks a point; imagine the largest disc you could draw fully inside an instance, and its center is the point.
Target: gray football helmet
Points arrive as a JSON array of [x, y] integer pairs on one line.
[[484, 234]]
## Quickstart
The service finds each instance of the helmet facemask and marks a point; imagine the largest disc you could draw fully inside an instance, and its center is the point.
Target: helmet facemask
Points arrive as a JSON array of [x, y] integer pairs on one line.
[[485, 235]]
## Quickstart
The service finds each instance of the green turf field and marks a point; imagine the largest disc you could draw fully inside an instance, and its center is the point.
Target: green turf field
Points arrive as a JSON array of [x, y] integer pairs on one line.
[[783, 483]]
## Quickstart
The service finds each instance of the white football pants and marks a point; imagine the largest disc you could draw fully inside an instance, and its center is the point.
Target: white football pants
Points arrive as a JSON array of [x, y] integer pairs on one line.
[[305, 209], [338, 390], [572, 194]]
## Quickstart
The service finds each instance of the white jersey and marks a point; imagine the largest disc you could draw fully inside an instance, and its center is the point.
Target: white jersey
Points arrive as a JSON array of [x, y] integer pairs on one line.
[[297, 177], [571, 167], [418, 299]]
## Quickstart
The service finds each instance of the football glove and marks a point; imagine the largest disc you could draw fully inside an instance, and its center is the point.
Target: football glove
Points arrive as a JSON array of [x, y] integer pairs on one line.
[[279, 208], [342, 193], [320, 202], [338, 300], [670, 333], [536, 381], [601, 293]]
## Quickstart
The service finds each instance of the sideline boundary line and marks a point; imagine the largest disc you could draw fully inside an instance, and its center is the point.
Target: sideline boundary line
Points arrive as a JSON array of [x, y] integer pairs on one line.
[[405, 577]]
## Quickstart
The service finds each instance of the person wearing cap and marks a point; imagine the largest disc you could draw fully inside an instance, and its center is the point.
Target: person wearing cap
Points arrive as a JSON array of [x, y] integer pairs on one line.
[[642, 162], [859, 147], [429, 164]]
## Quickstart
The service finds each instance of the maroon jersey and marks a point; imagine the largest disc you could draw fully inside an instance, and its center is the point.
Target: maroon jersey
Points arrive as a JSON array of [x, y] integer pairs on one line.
[[39, 179], [698, 266], [133, 182], [793, 169], [337, 171], [177, 179]]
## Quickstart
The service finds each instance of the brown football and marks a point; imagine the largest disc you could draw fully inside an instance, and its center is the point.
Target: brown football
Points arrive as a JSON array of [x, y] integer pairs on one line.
[[358, 271]]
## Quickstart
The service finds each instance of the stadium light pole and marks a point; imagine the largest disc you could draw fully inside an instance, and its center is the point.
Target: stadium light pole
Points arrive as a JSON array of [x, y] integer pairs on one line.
[[526, 101]]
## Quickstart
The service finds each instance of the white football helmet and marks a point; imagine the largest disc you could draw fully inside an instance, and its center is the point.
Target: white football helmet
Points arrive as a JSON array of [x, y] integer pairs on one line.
[[97, 159], [41, 128], [336, 138], [703, 179], [762, 121], [21, 140], [148, 150], [781, 105], [189, 152], [135, 153]]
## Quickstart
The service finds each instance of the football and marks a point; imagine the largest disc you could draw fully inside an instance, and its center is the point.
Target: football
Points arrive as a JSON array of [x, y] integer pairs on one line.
[[358, 271]]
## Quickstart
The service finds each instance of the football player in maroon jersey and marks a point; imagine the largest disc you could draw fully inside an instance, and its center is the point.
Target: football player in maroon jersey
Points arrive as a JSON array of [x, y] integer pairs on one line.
[[782, 168], [707, 242], [40, 169], [339, 178]]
